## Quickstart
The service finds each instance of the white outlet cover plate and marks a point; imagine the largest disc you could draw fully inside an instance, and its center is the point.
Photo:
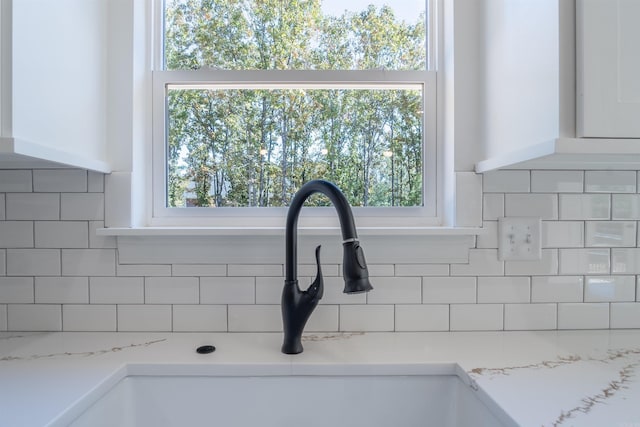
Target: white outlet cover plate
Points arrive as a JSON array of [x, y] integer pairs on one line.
[[519, 238]]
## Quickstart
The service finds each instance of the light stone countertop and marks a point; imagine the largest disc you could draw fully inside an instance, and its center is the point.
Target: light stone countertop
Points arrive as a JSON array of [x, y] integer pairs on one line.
[[554, 378]]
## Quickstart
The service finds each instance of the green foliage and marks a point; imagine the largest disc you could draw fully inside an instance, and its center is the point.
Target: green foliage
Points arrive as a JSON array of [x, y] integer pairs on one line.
[[257, 147]]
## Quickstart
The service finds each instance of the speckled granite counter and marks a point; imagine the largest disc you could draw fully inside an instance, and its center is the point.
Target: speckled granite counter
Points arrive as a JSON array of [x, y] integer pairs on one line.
[[556, 378]]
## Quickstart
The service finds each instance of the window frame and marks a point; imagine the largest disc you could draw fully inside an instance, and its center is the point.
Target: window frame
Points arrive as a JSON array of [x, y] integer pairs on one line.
[[159, 215]]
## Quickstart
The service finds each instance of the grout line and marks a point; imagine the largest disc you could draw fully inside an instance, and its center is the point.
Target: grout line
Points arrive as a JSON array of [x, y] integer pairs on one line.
[[394, 317]]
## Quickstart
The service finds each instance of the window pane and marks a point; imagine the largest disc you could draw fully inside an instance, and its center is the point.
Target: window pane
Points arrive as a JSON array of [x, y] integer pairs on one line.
[[256, 147], [295, 34]]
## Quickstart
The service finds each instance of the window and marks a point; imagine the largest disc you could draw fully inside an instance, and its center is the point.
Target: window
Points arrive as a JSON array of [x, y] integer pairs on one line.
[[252, 98]]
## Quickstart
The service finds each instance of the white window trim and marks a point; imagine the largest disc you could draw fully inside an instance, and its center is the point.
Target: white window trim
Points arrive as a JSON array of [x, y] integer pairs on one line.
[[127, 189]]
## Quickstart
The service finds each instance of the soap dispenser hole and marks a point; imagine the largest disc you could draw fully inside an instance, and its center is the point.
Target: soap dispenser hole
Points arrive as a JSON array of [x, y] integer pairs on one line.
[[205, 349]]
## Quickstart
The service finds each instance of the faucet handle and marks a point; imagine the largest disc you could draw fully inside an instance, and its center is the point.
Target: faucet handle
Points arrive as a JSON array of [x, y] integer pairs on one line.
[[316, 289]]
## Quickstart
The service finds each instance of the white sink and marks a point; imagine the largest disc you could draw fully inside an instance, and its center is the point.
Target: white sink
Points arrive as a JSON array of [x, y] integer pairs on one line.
[[281, 401]]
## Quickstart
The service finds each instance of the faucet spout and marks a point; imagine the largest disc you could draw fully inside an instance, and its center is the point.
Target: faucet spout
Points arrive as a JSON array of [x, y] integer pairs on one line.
[[297, 305]]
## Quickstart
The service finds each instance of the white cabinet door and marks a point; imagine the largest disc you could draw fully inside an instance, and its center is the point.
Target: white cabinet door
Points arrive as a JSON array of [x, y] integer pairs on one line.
[[608, 66]]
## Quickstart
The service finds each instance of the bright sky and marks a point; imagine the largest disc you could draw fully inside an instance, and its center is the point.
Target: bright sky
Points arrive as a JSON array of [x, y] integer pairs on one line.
[[407, 10]]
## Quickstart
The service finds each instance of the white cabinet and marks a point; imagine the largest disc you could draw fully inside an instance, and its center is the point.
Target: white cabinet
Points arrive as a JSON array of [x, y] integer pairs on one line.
[[53, 84], [608, 68], [561, 84]]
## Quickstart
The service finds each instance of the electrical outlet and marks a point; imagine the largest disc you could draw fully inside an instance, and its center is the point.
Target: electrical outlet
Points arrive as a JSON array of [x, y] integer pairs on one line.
[[519, 238]]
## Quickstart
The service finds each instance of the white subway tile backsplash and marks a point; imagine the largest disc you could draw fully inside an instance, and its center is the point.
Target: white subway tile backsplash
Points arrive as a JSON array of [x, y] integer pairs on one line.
[[376, 270], [488, 239], [610, 289], [57, 274], [527, 317], [100, 242], [583, 316], [82, 206], [95, 182], [34, 317], [33, 262], [585, 206], [557, 289], [16, 234], [3, 317], [88, 262], [12, 181], [625, 206], [62, 290], [396, 290], [557, 181], [610, 234], [325, 318], [422, 317], [367, 318], [477, 317], [269, 289], [449, 290], [59, 180], [3, 262], [199, 318], [255, 318], [504, 289], [171, 290], [116, 290], [255, 270], [610, 181], [33, 206], [334, 291], [144, 318], [492, 206], [227, 290], [482, 262], [143, 270], [562, 234], [61, 234], [468, 199], [542, 205], [625, 315], [89, 318], [547, 265], [422, 270], [625, 261], [506, 181], [311, 269], [16, 290], [199, 270], [584, 261]]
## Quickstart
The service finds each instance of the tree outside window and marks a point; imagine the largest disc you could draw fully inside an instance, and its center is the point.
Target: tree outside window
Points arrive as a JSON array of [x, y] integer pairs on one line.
[[255, 146]]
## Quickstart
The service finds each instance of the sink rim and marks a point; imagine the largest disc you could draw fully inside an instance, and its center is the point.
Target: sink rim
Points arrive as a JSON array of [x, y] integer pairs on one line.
[[453, 369]]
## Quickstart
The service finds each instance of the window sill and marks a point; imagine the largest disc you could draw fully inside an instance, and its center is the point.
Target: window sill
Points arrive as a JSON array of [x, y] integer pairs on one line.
[[265, 245], [279, 231]]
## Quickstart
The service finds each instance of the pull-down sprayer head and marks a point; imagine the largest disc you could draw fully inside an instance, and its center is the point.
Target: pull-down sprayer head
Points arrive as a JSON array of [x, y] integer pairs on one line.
[[354, 269]]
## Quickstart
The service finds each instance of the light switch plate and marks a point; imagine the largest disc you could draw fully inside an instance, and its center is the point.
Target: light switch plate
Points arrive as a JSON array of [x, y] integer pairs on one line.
[[519, 238]]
